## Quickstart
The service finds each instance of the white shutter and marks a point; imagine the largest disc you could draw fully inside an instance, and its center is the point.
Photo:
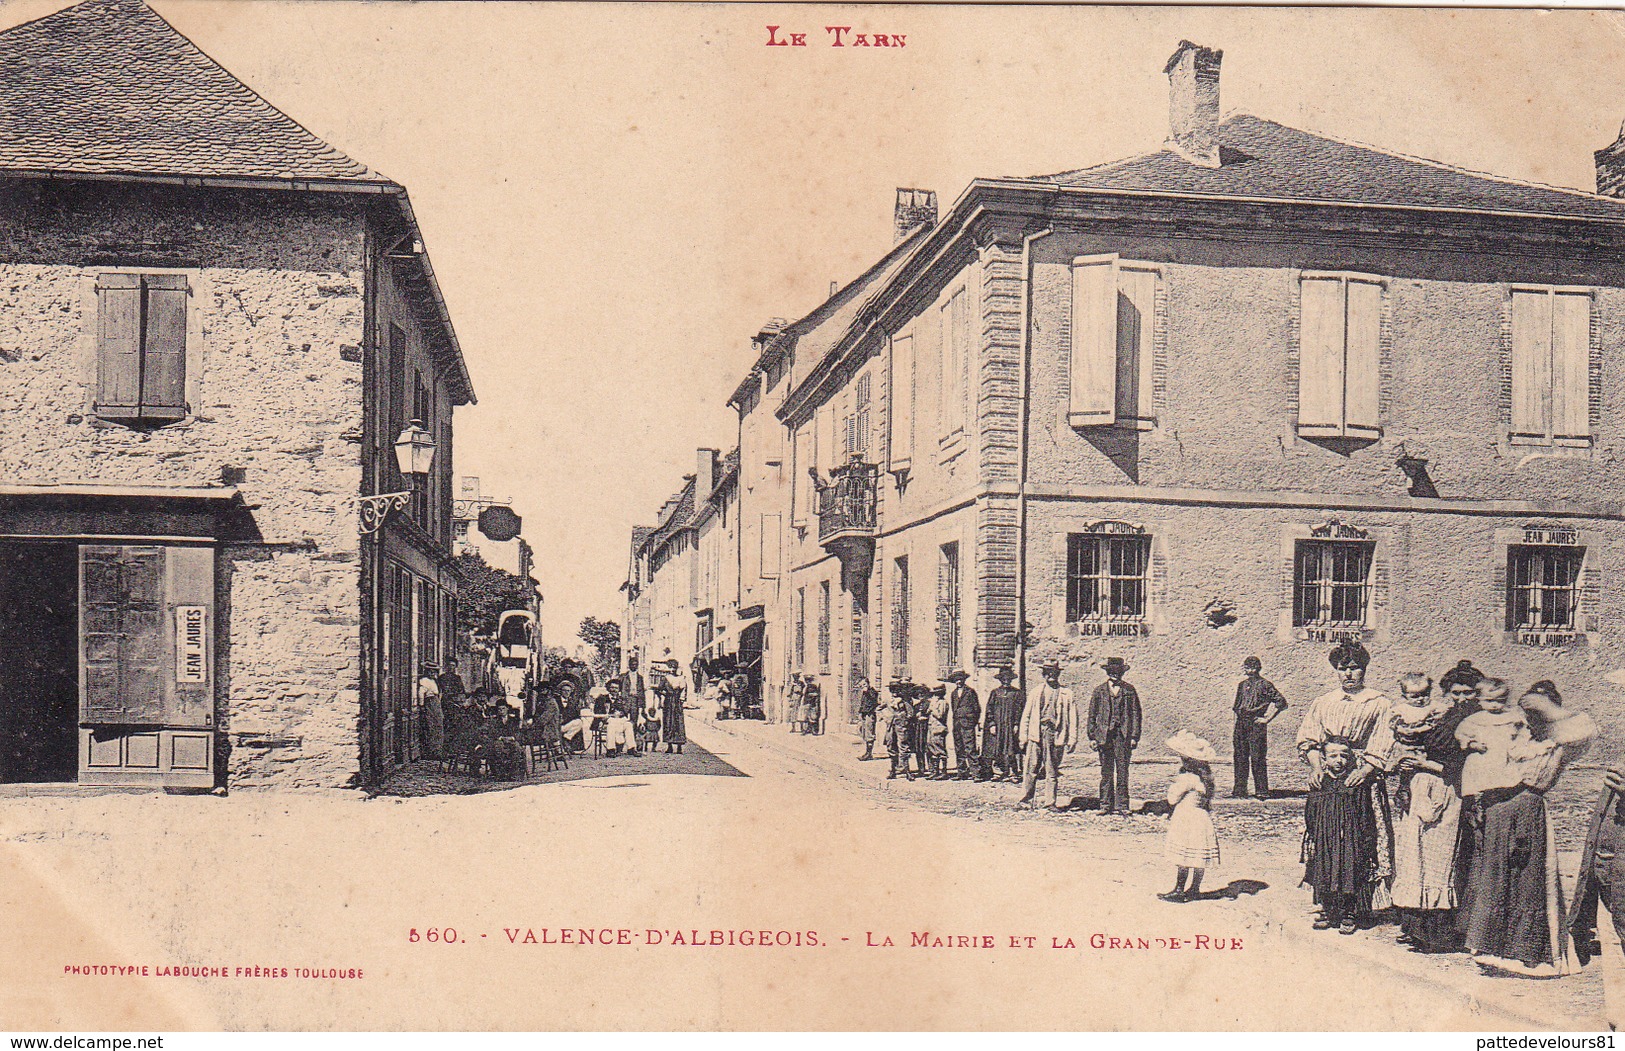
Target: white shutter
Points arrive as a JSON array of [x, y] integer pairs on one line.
[[826, 455], [1362, 357], [1531, 363], [1320, 354], [1094, 342], [1136, 321], [901, 414], [1571, 363], [770, 546], [803, 483]]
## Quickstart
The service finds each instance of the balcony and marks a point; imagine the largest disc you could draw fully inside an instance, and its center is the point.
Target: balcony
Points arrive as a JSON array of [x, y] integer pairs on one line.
[[846, 513]]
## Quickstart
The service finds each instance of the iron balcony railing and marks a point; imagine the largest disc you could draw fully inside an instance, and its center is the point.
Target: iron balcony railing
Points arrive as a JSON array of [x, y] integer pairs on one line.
[[846, 503]]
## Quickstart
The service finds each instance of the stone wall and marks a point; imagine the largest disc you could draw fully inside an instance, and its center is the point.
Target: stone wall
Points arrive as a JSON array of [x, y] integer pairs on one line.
[[1444, 599], [275, 389]]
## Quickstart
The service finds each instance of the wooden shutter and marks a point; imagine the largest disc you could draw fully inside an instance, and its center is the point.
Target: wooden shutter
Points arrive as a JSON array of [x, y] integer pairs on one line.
[[1531, 363], [118, 345], [1571, 364], [1320, 355], [964, 372], [802, 483], [163, 368], [770, 546], [1094, 342], [121, 602], [1363, 357], [1136, 322], [860, 414], [901, 413]]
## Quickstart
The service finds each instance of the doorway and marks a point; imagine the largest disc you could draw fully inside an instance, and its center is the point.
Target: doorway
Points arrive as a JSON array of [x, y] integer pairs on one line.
[[39, 662]]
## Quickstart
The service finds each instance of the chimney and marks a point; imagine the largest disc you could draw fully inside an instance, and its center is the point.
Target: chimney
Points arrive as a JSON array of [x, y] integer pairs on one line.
[[705, 475], [1193, 103], [914, 208], [1611, 167]]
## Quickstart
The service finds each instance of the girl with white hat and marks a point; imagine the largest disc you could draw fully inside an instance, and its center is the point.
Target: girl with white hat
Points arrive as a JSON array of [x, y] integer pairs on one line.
[[1192, 844]]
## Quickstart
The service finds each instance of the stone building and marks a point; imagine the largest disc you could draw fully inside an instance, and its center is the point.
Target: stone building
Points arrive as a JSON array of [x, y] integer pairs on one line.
[[1253, 393], [683, 594], [216, 328]]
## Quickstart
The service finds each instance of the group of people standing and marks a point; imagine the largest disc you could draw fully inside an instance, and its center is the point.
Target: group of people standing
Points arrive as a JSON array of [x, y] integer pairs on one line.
[[1431, 804], [1466, 853], [1012, 740]]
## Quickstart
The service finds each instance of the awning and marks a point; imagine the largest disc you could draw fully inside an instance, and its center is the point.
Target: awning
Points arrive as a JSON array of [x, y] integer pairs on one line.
[[731, 635]]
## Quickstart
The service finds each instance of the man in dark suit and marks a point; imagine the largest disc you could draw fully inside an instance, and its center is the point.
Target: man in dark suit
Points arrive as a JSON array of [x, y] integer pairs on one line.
[[966, 707], [1114, 730]]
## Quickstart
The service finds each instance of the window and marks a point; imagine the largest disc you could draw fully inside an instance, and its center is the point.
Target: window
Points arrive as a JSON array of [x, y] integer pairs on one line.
[[1339, 356], [1331, 582], [801, 628], [1113, 343], [823, 626], [899, 615], [955, 316], [1551, 365], [1543, 587], [901, 412], [1106, 577], [141, 346], [947, 608], [423, 412]]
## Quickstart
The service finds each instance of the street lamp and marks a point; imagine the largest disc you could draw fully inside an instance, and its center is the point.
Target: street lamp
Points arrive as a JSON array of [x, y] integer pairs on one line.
[[414, 454]]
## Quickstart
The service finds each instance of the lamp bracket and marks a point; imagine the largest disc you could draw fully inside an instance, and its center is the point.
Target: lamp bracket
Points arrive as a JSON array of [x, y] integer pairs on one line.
[[376, 509]]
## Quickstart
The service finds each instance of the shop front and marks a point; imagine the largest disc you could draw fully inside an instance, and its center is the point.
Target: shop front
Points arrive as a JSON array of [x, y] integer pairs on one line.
[[108, 635]]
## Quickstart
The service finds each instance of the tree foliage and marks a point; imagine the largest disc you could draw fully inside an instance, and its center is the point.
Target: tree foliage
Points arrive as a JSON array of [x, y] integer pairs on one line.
[[486, 593], [604, 636]]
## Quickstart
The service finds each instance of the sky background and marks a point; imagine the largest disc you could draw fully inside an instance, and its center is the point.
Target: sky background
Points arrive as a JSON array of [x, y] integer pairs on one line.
[[615, 197]]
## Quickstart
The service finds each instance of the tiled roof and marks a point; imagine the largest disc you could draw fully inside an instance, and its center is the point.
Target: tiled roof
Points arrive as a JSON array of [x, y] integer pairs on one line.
[[107, 87], [1259, 158]]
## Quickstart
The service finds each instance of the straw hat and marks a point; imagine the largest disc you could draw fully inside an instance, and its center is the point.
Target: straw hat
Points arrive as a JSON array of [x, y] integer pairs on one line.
[[1186, 744]]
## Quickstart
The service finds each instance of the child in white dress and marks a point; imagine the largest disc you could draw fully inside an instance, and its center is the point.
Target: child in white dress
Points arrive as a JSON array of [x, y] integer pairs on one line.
[[1192, 844]]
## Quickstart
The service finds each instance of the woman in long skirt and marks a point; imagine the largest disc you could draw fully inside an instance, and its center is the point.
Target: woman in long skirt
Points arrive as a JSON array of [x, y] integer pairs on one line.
[[1514, 906], [671, 712]]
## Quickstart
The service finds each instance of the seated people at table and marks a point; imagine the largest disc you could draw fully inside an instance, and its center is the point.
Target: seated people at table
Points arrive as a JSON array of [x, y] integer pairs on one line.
[[618, 734]]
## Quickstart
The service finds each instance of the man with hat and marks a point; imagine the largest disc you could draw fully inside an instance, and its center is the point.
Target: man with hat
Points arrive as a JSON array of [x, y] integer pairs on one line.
[[868, 706], [966, 707], [938, 714], [1001, 746], [900, 732], [1257, 702], [1114, 731], [1048, 728]]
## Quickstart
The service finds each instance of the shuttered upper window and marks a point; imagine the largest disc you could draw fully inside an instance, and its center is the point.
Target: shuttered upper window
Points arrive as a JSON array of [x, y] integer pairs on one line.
[[141, 346], [1114, 321], [900, 414], [1340, 356], [1551, 365]]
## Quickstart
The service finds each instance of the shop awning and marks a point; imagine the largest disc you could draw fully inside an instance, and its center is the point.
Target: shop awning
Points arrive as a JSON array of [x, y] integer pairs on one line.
[[727, 637]]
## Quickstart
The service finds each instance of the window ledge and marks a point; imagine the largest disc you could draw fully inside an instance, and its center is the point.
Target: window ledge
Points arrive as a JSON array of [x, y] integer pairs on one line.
[[1332, 430], [1540, 441]]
